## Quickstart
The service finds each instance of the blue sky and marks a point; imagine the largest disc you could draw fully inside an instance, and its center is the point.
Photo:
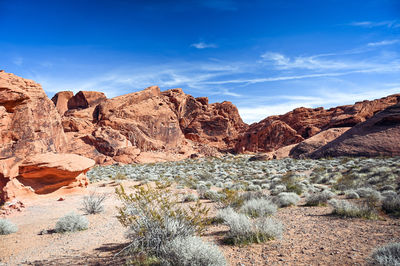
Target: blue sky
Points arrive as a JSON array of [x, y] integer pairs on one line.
[[267, 57]]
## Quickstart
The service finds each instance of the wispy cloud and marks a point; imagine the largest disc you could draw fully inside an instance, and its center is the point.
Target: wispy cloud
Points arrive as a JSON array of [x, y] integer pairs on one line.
[[383, 43], [203, 45], [373, 24], [18, 61], [327, 98]]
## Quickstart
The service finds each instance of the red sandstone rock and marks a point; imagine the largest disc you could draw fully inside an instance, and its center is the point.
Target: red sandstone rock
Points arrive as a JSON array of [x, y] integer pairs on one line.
[[303, 123], [43, 174], [378, 136], [217, 125], [306, 147], [60, 100], [29, 122], [85, 99]]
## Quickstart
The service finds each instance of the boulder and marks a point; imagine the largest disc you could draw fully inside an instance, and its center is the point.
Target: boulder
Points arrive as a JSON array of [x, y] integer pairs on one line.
[[60, 100], [378, 136], [85, 99], [29, 121]]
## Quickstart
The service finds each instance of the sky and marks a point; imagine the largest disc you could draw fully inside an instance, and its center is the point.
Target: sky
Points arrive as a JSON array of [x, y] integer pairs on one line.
[[266, 57]]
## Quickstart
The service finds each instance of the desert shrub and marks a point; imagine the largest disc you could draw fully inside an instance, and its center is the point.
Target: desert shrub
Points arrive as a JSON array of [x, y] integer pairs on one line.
[[71, 223], [347, 209], [368, 193], [351, 194], [7, 227], [119, 176], [249, 195], [253, 187], [244, 231], [388, 193], [285, 199], [387, 187], [211, 195], [93, 203], [190, 198], [278, 189], [290, 180], [391, 204], [230, 198], [386, 255], [191, 250], [154, 218], [319, 198], [258, 208]]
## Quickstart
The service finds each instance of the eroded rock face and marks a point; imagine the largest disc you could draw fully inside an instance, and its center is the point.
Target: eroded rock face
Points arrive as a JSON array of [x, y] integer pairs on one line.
[[217, 124], [29, 121], [60, 100], [303, 123], [306, 147], [378, 136], [85, 99], [42, 174]]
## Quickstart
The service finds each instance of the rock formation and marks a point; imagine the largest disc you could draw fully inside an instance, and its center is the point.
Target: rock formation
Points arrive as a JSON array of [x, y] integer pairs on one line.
[[30, 125], [43, 174], [306, 147], [378, 136], [293, 127], [29, 122]]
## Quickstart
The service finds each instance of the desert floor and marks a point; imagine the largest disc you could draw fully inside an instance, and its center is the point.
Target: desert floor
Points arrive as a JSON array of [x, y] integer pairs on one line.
[[312, 236]]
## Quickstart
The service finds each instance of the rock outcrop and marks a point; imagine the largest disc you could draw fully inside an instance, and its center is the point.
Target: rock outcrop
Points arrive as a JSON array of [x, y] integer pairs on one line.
[[293, 127], [378, 136], [217, 125], [42, 174], [306, 147], [29, 122]]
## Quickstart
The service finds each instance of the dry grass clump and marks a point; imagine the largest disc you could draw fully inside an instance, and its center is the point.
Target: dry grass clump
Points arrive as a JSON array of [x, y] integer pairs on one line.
[[386, 255], [347, 209], [285, 199], [258, 208], [319, 198], [7, 227], [71, 222], [93, 203], [243, 230]]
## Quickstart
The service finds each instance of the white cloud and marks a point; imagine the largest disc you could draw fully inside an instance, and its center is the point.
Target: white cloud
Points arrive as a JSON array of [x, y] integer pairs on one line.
[[203, 45], [372, 24], [325, 98], [382, 43]]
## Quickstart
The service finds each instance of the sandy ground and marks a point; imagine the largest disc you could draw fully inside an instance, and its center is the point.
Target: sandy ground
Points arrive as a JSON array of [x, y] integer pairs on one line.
[[311, 237]]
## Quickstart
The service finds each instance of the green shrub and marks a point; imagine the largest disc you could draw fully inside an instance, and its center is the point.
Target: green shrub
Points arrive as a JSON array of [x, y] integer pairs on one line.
[[388, 255], [154, 218], [71, 223], [7, 227]]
